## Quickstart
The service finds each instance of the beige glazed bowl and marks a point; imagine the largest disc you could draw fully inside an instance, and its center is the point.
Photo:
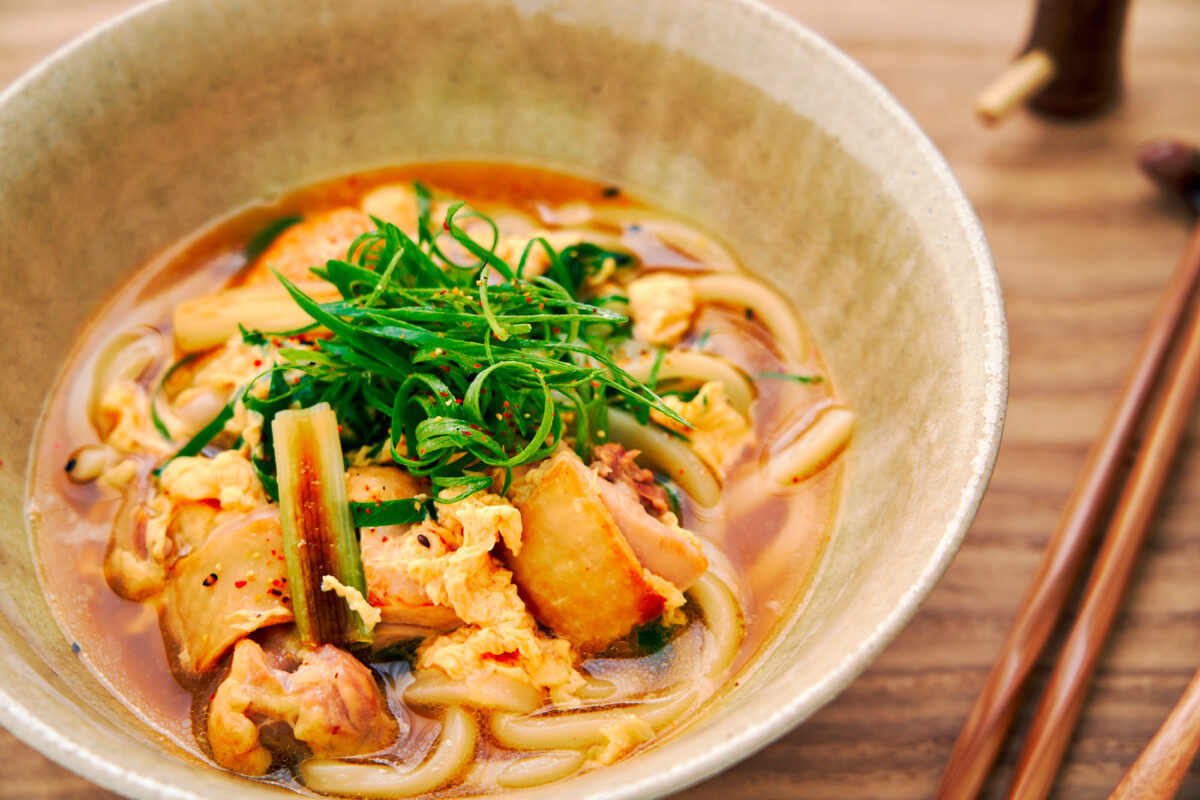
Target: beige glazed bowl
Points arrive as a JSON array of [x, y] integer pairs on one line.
[[720, 110]]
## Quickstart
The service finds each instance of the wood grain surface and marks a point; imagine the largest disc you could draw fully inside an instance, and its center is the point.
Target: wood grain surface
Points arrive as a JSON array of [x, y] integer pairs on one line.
[[1083, 245]]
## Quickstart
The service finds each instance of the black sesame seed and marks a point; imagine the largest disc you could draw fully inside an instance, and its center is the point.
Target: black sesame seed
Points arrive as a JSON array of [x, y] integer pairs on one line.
[[611, 191], [70, 465], [75, 648], [211, 579], [749, 313], [423, 539]]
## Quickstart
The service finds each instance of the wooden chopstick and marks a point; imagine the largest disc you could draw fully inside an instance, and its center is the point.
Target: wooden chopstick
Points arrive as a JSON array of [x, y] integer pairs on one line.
[[1161, 767], [1014, 86], [984, 730], [1062, 700]]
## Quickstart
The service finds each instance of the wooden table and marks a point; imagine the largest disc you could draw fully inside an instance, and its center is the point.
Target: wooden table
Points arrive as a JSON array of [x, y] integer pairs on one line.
[[1083, 245]]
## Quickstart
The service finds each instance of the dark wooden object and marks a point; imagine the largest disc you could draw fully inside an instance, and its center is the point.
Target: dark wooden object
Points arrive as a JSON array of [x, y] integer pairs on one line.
[[1083, 38]]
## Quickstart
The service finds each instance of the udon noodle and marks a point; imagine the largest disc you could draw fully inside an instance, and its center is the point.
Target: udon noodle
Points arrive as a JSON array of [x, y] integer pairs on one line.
[[451, 478]]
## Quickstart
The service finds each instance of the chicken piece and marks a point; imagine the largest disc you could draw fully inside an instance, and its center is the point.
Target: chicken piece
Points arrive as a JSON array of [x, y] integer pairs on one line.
[[661, 546], [309, 244], [404, 604], [330, 702], [135, 562], [661, 305], [395, 203], [618, 466], [717, 431], [232, 585], [575, 570], [381, 484], [401, 600]]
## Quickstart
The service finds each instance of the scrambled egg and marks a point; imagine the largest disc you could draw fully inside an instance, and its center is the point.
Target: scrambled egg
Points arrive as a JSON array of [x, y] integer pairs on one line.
[[620, 738], [123, 420], [354, 599], [498, 635], [661, 305], [227, 478], [717, 427]]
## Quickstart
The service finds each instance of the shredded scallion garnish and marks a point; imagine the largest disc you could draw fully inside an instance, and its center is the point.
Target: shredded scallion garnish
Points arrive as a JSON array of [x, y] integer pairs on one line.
[[457, 371]]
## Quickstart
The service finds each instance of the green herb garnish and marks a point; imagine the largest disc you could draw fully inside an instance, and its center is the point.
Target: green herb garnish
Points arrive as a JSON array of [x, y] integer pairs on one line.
[[458, 369], [791, 376]]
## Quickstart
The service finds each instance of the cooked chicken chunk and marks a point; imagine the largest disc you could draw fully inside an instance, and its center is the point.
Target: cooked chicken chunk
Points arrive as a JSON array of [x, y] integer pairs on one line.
[[660, 546], [407, 609], [575, 570], [640, 507], [386, 554], [310, 244], [232, 585], [330, 702], [618, 466]]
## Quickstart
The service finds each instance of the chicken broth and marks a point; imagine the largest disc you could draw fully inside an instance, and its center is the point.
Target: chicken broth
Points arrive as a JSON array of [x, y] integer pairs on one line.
[[590, 510]]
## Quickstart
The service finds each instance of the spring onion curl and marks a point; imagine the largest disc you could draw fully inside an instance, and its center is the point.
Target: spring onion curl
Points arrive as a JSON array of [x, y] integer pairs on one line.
[[455, 370]]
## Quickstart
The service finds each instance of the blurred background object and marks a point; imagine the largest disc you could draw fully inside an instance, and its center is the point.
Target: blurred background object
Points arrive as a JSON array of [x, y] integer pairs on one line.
[[1070, 66]]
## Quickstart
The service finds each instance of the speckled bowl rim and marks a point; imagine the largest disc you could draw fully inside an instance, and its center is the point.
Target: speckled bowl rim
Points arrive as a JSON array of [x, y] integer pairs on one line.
[[25, 724]]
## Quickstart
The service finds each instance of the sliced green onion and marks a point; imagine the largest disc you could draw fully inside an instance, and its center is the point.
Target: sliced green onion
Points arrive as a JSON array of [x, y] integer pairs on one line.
[[319, 536]]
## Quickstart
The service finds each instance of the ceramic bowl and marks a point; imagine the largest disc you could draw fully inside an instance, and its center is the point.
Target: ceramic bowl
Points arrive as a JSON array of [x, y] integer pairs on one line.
[[720, 110]]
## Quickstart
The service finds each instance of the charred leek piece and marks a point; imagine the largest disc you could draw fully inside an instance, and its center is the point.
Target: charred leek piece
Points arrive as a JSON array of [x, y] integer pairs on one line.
[[318, 535]]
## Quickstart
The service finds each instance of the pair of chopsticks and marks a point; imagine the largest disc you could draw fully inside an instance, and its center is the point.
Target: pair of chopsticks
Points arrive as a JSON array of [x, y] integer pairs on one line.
[[1175, 327]]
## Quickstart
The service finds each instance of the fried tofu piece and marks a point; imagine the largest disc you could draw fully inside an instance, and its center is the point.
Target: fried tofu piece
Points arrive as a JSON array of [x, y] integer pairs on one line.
[[330, 702], [575, 570], [309, 244]]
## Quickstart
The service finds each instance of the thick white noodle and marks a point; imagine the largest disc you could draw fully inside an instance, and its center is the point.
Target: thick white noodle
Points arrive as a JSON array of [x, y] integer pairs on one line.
[[772, 309], [596, 689], [670, 232], [454, 750], [722, 616], [494, 692], [124, 358], [540, 769], [671, 456], [701, 368], [580, 729], [813, 448]]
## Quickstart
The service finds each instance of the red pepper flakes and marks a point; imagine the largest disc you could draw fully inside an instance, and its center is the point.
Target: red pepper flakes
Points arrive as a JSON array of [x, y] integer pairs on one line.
[[239, 584], [384, 539]]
